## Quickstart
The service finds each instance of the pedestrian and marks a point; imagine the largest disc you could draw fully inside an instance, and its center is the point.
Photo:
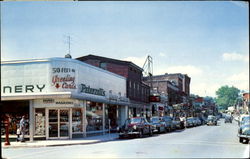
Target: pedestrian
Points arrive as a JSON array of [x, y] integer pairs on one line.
[[22, 128], [18, 134]]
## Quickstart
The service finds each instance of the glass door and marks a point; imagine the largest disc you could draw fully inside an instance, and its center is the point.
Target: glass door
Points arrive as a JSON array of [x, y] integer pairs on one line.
[[53, 123], [64, 123], [58, 123]]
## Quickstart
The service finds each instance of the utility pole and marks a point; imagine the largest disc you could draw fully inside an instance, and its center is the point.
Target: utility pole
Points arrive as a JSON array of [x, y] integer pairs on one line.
[[148, 70]]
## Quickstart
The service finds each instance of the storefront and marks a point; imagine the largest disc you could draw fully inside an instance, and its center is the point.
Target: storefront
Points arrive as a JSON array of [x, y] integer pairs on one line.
[[64, 98], [158, 104]]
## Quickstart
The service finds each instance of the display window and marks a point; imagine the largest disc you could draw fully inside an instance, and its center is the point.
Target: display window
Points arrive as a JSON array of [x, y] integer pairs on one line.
[[94, 114], [111, 117], [40, 121], [77, 123]]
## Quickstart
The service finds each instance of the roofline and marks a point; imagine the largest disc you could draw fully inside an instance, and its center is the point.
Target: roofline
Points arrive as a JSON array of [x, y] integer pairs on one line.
[[59, 59], [122, 61]]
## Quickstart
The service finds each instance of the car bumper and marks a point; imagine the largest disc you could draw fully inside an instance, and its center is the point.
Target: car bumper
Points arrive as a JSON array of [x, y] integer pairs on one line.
[[210, 123], [244, 136], [129, 133]]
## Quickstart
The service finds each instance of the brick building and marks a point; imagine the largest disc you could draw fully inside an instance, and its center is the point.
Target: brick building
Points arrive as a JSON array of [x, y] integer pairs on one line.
[[137, 91], [175, 86]]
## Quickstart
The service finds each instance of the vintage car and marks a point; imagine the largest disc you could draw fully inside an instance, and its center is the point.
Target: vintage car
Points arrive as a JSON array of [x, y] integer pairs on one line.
[[189, 122], [177, 123], [211, 120], [242, 118], [136, 126], [197, 121], [168, 123], [158, 124], [244, 131], [228, 119]]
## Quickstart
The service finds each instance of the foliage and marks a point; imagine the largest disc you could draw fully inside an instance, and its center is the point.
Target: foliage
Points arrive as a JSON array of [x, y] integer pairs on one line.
[[227, 96]]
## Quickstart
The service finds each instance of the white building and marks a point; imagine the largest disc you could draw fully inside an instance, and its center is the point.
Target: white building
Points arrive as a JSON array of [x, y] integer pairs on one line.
[[62, 97]]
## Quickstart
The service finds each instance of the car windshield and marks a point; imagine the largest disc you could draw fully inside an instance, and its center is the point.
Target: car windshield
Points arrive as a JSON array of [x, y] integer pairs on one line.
[[246, 121], [247, 118], [134, 120], [246, 125], [155, 120], [210, 117], [167, 118], [189, 119]]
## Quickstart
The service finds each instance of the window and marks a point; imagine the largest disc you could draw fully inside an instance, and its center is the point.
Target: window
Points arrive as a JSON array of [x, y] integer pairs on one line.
[[94, 114], [40, 121], [77, 120]]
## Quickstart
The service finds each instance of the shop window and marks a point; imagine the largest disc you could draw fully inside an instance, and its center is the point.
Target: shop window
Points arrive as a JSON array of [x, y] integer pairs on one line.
[[40, 121], [111, 116], [94, 114], [77, 120]]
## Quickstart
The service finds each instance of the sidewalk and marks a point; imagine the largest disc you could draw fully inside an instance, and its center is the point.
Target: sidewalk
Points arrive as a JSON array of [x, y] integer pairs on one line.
[[75, 141]]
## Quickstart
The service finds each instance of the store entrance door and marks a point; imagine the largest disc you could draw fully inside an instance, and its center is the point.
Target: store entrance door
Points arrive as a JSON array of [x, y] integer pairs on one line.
[[58, 123]]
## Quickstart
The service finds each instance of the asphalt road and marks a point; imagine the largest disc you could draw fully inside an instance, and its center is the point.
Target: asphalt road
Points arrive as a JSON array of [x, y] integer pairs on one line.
[[198, 142]]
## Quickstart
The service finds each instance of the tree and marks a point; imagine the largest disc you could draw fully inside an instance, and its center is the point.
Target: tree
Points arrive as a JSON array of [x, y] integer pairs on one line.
[[227, 96]]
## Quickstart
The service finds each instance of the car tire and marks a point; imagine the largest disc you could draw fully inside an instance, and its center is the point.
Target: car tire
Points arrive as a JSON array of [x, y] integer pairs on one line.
[[121, 136], [247, 141], [159, 130], [241, 140], [141, 134], [150, 132]]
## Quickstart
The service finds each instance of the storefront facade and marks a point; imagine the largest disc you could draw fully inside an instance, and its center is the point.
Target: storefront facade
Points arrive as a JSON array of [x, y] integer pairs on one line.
[[67, 98]]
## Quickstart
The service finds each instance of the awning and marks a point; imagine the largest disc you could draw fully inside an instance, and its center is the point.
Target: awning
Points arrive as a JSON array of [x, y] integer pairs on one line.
[[67, 95]]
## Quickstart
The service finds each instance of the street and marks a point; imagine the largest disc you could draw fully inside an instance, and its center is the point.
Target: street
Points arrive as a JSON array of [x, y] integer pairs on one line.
[[197, 142]]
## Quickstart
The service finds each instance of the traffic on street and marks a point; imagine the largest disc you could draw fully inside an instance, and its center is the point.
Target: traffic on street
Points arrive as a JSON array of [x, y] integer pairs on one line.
[[217, 141]]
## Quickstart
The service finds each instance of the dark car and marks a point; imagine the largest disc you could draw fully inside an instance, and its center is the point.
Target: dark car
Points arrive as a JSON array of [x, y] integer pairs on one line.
[[244, 131], [168, 123], [228, 119], [158, 124], [197, 121], [189, 122], [136, 126]]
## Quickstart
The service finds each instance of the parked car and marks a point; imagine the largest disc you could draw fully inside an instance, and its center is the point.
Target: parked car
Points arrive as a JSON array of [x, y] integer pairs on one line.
[[189, 122], [243, 118], [168, 122], [244, 131], [211, 120], [136, 126], [197, 121], [228, 119], [158, 124], [177, 123]]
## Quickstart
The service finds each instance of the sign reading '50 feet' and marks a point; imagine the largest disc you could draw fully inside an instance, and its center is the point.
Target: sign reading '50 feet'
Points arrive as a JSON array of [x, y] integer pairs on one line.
[[64, 78]]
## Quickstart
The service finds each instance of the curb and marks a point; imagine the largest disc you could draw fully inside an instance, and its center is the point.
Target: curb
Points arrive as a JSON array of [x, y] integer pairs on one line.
[[53, 145]]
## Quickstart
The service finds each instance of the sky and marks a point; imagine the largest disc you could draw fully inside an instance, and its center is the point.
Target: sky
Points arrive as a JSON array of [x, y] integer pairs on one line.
[[207, 40]]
